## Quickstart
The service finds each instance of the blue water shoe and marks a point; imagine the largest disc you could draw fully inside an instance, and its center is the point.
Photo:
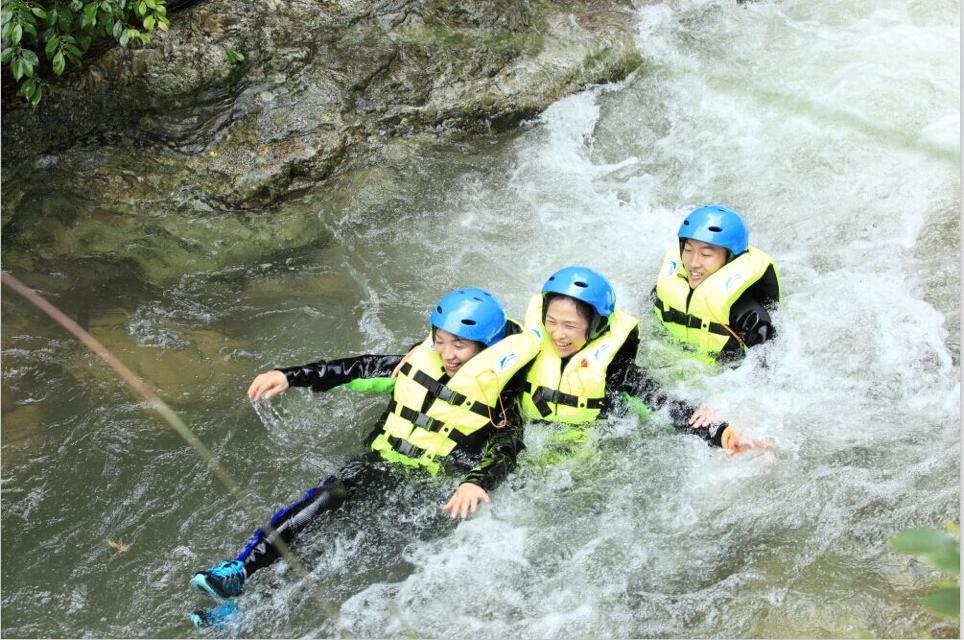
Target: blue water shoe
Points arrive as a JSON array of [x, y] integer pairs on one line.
[[225, 580], [215, 618]]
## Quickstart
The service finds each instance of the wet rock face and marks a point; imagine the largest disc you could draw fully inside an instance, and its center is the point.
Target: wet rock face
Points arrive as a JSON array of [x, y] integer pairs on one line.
[[179, 129]]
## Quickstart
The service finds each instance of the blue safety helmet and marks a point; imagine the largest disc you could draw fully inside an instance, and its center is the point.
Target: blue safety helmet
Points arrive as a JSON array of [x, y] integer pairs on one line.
[[471, 314], [716, 224], [586, 285]]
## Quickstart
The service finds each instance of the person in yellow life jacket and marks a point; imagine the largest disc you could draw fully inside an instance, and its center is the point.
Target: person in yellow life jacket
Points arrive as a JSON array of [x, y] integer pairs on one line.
[[454, 408], [587, 362], [714, 291]]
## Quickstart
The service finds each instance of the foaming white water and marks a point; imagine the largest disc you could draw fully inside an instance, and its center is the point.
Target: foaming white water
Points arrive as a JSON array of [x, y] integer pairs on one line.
[[835, 131]]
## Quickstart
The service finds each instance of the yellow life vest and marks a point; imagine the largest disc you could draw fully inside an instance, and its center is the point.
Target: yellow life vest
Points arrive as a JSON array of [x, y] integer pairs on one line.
[[573, 394], [701, 319], [469, 401]]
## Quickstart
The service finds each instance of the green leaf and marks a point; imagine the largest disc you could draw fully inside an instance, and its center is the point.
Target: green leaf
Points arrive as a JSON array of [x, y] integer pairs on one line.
[[234, 55], [124, 38], [938, 547], [16, 68], [39, 12], [90, 14], [31, 58], [35, 99], [946, 601], [52, 43], [947, 559], [66, 20], [142, 8], [76, 5], [17, 34], [6, 31], [160, 10], [164, 24], [59, 63], [28, 88], [31, 28], [5, 55], [920, 541], [118, 28], [74, 53], [149, 23], [6, 16]]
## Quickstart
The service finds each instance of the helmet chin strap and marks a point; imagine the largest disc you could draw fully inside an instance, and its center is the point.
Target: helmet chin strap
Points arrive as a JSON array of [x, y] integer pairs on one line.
[[597, 327]]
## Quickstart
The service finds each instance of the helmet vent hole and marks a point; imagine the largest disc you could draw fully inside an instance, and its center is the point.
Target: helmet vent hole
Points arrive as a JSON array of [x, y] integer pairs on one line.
[[438, 308], [468, 321], [715, 229], [581, 284], [477, 299]]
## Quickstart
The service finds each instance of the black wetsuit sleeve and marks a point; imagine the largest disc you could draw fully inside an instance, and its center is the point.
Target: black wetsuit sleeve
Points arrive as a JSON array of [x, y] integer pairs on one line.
[[328, 374], [503, 445], [625, 376], [621, 374], [751, 321], [750, 316]]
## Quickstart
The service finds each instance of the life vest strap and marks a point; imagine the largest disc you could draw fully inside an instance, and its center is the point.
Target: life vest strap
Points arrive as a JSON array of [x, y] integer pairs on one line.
[[542, 396], [421, 420], [417, 418], [678, 317], [444, 393], [407, 449]]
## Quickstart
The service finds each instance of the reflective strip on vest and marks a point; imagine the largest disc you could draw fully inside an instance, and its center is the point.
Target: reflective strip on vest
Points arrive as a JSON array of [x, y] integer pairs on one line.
[[702, 322], [460, 407], [573, 394]]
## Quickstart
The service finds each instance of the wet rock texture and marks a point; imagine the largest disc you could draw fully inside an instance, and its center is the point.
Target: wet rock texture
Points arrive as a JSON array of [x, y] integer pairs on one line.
[[171, 156]]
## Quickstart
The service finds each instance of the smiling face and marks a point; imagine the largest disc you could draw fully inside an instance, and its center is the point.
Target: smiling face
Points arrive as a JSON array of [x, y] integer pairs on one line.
[[567, 327], [453, 350], [701, 260]]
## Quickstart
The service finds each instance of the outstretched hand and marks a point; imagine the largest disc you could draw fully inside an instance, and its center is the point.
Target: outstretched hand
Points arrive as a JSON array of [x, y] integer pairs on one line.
[[702, 418], [267, 385], [733, 442], [465, 500]]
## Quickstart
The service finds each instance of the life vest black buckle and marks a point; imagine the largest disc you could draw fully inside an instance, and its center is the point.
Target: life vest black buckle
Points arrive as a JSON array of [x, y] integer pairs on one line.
[[541, 398], [422, 420], [452, 397], [545, 394]]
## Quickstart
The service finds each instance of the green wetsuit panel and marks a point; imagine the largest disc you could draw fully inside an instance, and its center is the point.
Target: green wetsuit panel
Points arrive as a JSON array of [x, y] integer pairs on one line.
[[371, 385], [638, 406]]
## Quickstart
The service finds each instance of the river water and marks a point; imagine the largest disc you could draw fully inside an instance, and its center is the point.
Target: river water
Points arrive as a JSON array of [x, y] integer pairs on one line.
[[834, 127]]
